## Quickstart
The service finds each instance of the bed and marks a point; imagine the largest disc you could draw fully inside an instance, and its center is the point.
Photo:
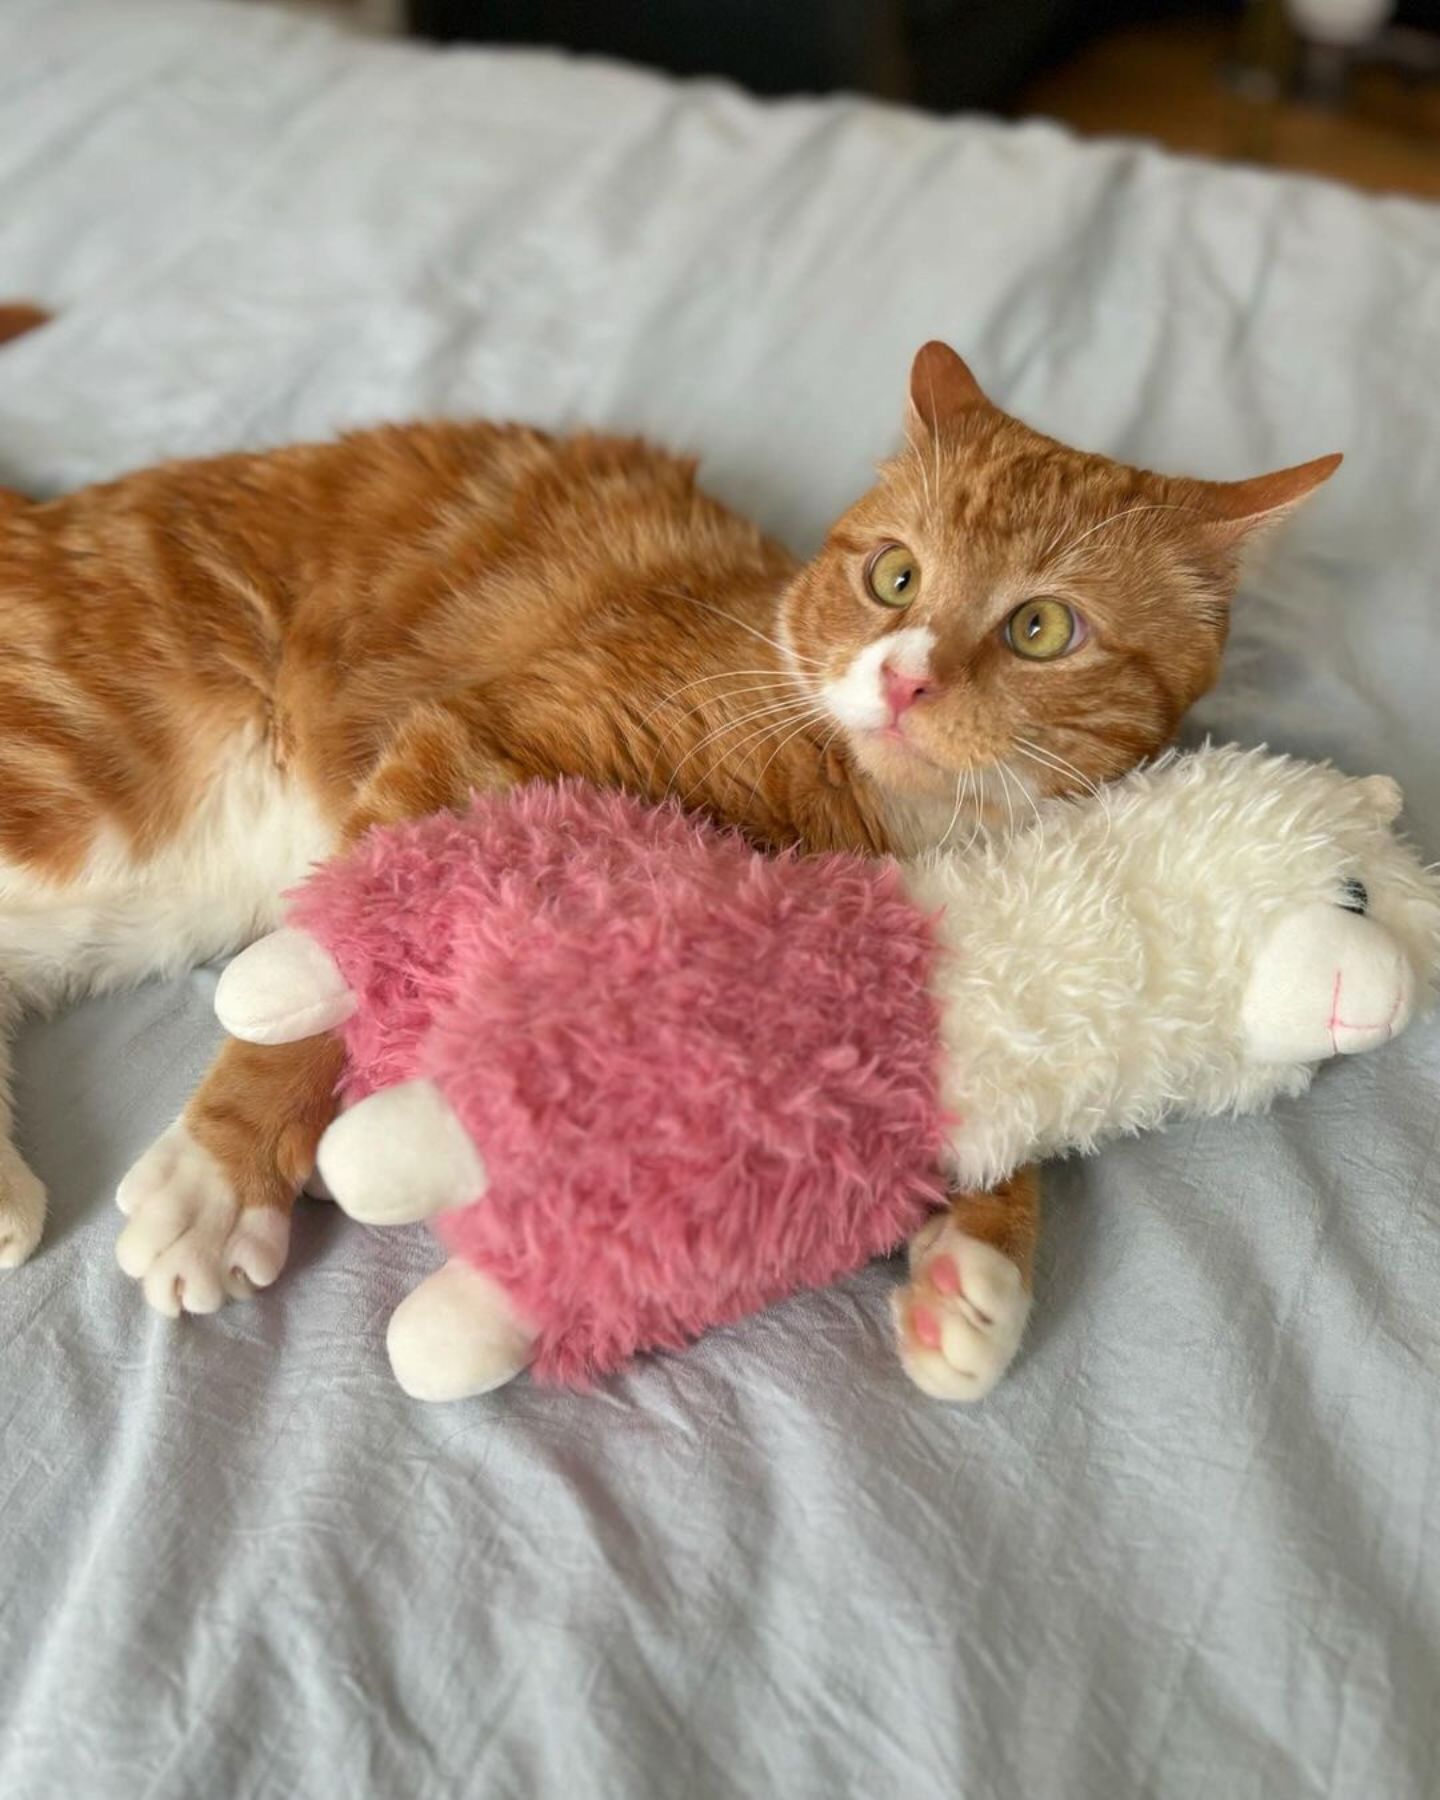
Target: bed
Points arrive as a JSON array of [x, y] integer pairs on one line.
[[1192, 1545]]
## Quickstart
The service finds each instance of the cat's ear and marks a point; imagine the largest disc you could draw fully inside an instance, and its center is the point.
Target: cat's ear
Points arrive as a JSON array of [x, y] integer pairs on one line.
[[1239, 508], [942, 390]]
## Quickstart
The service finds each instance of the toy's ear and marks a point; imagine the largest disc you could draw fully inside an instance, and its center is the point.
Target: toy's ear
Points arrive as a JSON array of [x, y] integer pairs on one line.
[[400, 1156], [942, 391], [1384, 796], [282, 988]]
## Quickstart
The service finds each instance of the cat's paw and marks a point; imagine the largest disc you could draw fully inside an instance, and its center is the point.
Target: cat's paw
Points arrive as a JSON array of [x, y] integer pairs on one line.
[[22, 1208], [188, 1241], [960, 1317]]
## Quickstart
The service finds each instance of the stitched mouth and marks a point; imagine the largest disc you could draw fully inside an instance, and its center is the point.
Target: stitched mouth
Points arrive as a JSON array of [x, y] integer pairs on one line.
[[1381, 1030]]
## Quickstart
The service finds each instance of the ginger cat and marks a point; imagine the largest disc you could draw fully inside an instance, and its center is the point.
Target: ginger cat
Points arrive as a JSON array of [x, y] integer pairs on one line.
[[214, 673]]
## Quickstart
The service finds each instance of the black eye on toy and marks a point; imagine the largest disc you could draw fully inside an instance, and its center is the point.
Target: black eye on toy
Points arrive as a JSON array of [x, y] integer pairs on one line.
[[1355, 896]]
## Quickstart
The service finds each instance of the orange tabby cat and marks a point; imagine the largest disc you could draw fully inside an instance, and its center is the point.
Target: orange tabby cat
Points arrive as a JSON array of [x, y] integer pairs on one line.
[[216, 672]]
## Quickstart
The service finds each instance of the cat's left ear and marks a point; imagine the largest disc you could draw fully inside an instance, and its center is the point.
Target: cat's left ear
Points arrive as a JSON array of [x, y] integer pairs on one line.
[[1240, 508], [942, 391]]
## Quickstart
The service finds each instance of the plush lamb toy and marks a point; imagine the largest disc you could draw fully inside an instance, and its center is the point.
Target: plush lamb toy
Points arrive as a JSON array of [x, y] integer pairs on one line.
[[650, 1080]]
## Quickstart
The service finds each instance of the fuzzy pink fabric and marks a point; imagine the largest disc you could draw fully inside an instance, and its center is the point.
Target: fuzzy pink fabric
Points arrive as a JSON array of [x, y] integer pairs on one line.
[[700, 1078]]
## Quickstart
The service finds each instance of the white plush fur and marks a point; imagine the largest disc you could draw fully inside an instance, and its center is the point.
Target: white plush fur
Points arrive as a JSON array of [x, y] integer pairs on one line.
[[1179, 945], [1097, 968]]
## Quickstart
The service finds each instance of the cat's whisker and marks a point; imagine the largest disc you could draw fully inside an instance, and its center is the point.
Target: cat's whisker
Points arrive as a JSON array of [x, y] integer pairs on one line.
[[741, 719], [779, 713], [955, 816], [716, 700], [766, 711], [755, 786], [785, 650], [757, 736], [1006, 774], [1051, 760], [1034, 803], [1124, 513], [1060, 765], [780, 678], [999, 768], [972, 794]]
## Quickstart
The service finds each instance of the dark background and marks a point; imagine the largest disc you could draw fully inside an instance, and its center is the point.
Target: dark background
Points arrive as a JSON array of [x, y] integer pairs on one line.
[[941, 54]]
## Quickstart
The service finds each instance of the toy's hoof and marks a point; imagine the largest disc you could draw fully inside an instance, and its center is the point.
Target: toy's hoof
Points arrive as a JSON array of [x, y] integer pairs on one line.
[[962, 1315], [282, 988], [456, 1336], [399, 1156]]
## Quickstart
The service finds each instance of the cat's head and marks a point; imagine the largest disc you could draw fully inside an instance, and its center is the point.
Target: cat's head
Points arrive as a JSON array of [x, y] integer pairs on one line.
[[1001, 606]]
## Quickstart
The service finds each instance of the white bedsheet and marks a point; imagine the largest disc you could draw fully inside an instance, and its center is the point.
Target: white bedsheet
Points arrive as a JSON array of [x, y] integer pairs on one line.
[[1192, 1547]]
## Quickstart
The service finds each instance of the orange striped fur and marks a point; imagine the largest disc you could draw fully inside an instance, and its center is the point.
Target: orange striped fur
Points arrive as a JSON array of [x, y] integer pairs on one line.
[[214, 672]]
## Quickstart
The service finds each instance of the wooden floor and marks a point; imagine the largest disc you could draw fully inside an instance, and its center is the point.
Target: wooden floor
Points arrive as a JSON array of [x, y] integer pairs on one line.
[[1167, 83]]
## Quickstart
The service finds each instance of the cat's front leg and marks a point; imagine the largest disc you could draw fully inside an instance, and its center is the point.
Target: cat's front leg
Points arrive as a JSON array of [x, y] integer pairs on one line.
[[209, 1202], [960, 1317], [22, 1193]]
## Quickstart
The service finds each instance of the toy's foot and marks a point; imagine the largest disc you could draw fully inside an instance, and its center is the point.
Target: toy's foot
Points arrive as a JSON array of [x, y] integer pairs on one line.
[[962, 1314], [401, 1155], [281, 988], [22, 1208], [189, 1242], [455, 1336]]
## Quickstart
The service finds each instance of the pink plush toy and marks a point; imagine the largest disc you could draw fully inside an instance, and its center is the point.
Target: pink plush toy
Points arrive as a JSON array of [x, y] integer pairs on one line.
[[650, 1081]]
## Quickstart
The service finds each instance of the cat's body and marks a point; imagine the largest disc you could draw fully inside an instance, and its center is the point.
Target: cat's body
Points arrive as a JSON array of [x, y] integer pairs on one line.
[[214, 673], [203, 664]]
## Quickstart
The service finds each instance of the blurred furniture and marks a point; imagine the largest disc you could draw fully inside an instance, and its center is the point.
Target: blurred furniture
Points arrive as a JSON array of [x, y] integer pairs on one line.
[[945, 54]]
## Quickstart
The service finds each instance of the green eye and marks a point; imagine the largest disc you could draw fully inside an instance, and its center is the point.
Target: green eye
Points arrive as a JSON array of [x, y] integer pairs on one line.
[[1041, 630], [893, 575]]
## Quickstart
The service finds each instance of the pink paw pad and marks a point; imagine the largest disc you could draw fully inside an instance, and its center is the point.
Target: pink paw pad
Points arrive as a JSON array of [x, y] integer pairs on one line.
[[926, 1327], [944, 1276]]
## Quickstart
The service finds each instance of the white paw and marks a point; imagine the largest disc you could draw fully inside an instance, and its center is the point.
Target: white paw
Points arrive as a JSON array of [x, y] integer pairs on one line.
[[189, 1242], [961, 1316], [22, 1208]]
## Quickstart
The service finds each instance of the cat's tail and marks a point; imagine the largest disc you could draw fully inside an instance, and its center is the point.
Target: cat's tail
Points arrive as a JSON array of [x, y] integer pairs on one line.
[[16, 318], [19, 316]]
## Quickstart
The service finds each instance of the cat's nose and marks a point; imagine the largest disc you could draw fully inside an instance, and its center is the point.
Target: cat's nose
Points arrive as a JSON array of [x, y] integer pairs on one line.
[[901, 690]]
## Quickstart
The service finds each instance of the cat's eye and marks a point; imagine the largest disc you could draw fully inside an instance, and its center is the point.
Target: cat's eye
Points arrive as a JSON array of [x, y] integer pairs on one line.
[[1355, 896], [1041, 630], [892, 575]]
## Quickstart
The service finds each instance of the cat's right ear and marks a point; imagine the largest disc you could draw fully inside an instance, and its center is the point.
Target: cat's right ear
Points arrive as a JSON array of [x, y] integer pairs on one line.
[[1241, 508], [942, 391]]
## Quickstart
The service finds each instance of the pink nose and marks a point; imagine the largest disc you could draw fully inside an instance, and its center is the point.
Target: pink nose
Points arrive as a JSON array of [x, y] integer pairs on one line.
[[902, 691]]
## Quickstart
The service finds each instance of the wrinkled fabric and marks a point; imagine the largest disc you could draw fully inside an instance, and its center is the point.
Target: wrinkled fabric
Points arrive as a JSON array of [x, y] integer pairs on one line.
[[1190, 1546]]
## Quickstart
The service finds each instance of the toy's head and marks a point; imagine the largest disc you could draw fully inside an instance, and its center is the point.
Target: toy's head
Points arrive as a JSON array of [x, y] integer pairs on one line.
[[1347, 939], [1196, 940]]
